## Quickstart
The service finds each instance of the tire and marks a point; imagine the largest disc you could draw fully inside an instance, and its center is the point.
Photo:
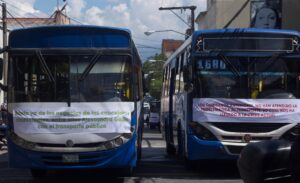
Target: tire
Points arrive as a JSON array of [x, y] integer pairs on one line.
[[152, 126], [159, 128], [180, 138], [38, 173], [128, 171], [171, 150], [139, 148], [189, 164], [295, 160]]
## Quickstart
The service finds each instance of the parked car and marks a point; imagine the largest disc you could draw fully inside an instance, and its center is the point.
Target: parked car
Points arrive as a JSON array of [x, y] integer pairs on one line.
[[146, 109], [154, 117], [295, 160], [264, 160]]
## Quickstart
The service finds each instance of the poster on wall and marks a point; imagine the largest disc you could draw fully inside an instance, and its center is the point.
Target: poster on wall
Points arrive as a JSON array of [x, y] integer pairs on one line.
[[266, 14]]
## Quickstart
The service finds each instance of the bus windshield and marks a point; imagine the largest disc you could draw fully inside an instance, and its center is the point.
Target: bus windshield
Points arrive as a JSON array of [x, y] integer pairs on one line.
[[58, 78], [247, 77]]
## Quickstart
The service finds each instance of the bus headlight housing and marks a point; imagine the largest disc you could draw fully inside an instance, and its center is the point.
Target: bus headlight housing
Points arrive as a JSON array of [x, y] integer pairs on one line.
[[122, 139], [201, 132], [21, 142], [107, 145], [291, 134]]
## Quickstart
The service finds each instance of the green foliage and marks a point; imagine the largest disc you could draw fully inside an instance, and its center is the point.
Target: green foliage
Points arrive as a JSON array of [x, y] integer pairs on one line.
[[153, 70]]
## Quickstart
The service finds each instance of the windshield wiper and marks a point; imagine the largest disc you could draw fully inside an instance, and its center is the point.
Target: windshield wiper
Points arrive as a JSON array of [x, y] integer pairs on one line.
[[276, 56], [45, 66], [230, 65], [90, 66]]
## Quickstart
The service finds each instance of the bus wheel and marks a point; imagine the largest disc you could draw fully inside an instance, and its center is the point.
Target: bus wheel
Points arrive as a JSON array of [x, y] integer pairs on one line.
[[140, 142], [139, 150], [189, 164], [170, 149], [180, 138], [128, 171], [38, 173]]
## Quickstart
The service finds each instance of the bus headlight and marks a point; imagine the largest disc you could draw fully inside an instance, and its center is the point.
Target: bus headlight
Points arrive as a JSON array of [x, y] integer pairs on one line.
[[201, 132], [291, 134], [122, 139], [21, 142]]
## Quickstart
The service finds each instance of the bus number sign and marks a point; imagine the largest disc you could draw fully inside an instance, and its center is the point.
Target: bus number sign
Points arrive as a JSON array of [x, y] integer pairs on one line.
[[211, 64]]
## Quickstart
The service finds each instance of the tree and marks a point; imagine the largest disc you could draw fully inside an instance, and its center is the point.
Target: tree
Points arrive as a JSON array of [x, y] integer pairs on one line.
[[153, 70]]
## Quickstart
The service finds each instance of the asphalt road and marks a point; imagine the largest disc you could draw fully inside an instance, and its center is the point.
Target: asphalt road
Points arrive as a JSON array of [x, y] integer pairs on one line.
[[155, 167]]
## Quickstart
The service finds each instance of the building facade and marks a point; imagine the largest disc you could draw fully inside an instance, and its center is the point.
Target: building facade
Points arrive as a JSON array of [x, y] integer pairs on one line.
[[169, 46], [244, 13]]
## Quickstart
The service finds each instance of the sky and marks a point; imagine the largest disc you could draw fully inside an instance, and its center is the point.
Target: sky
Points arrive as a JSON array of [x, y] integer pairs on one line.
[[136, 15]]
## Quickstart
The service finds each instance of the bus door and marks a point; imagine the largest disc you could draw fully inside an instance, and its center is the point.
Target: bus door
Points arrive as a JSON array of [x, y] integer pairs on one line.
[[171, 102]]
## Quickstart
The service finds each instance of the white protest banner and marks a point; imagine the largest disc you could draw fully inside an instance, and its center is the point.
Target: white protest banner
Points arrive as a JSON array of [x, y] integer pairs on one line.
[[246, 110], [37, 118]]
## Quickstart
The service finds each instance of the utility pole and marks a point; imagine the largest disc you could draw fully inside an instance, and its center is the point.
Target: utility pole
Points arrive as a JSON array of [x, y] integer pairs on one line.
[[4, 27], [192, 8], [5, 56]]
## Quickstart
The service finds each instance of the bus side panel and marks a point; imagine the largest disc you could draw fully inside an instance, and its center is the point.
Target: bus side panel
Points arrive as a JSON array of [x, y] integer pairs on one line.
[[187, 113], [164, 114], [170, 126], [124, 156]]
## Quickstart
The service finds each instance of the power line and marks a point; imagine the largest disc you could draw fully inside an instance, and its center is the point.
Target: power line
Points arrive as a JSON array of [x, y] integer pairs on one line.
[[73, 19], [181, 18], [152, 40], [15, 19], [146, 46], [192, 8], [237, 14], [76, 20], [147, 52], [20, 9]]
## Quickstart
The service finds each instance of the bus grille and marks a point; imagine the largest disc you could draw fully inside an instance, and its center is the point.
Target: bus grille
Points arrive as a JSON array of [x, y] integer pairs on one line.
[[75, 145], [84, 160], [235, 149], [248, 127], [240, 138], [70, 164]]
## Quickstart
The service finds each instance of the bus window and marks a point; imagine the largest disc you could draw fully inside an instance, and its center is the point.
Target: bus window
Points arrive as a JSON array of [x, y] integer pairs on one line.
[[36, 80], [108, 80]]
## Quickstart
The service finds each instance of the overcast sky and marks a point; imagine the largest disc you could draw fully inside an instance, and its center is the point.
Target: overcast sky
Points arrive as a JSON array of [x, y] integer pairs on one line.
[[136, 15]]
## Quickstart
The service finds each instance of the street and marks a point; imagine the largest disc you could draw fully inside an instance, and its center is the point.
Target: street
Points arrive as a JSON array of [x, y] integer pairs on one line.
[[155, 166]]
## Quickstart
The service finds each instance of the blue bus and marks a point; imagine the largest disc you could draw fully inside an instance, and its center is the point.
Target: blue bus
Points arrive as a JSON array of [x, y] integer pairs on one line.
[[225, 88], [74, 96]]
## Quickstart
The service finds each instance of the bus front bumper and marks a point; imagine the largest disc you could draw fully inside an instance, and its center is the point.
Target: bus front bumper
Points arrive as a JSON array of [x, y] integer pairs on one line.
[[198, 149], [121, 157]]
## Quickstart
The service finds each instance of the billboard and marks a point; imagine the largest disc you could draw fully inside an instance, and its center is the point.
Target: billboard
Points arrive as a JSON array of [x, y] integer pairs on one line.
[[266, 14]]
